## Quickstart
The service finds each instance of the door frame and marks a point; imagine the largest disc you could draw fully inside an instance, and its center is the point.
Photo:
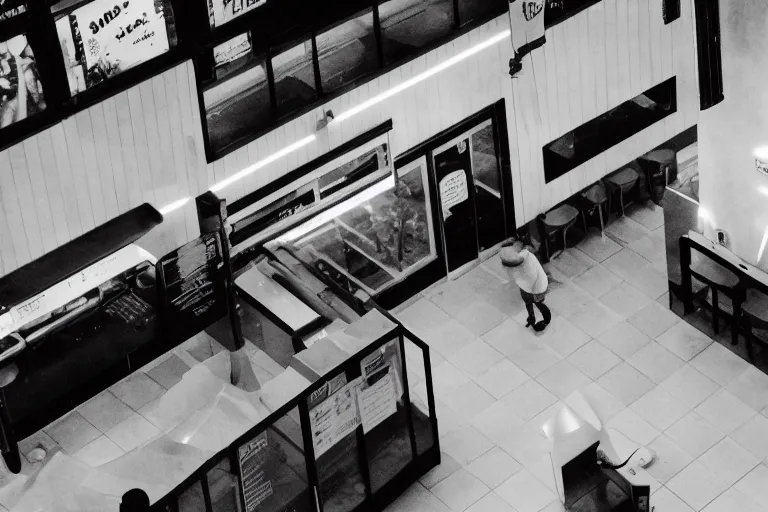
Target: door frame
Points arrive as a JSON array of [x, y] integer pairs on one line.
[[437, 269]]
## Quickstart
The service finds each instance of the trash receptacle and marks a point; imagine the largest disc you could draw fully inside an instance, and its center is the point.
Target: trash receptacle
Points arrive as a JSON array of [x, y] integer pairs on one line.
[[660, 168]]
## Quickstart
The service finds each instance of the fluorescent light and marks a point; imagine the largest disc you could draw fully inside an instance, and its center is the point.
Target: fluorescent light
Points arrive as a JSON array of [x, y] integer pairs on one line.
[[263, 163], [338, 210], [762, 246], [704, 214], [174, 206], [761, 153], [421, 77], [763, 190]]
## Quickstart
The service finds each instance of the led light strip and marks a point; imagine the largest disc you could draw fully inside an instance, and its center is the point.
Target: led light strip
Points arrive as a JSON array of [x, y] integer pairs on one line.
[[422, 76], [762, 246]]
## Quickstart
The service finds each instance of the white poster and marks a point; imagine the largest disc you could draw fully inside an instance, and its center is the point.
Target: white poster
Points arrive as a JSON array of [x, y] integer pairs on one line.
[[335, 418], [453, 190], [377, 402], [526, 19], [223, 11], [120, 34]]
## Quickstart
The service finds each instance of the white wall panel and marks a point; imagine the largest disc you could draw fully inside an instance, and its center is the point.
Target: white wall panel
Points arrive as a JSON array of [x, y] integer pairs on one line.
[[146, 144]]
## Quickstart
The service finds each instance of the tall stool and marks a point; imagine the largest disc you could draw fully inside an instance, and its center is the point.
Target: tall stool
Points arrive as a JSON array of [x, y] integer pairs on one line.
[[596, 196], [755, 314], [558, 220], [622, 182], [720, 280]]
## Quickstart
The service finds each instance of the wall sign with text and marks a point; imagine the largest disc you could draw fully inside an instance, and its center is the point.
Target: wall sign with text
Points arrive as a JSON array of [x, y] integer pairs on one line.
[[224, 11]]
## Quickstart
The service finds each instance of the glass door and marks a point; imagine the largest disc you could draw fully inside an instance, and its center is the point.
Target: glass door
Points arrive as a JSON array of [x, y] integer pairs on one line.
[[489, 205]]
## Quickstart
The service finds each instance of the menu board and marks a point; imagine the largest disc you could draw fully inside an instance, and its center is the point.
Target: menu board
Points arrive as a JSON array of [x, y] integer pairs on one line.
[[256, 485], [272, 214], [194, 280]]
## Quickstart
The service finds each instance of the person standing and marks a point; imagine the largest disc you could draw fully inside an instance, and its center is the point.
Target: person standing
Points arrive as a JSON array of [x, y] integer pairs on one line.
[[525, 270]]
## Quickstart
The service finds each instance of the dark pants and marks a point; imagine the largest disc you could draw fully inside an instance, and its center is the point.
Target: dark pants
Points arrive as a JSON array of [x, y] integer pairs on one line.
[[537, 299]]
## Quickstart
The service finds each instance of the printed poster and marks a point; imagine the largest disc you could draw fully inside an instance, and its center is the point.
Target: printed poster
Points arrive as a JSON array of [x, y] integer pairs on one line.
[[21, 91], [255, 484], [120, 34], [377, 402], [335, 418], [526, 18], [453, 190], [224, 11]]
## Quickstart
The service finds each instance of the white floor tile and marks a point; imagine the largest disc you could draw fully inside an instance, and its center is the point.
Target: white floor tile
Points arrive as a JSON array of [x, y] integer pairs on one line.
[[72, 432], [649, 215], [502, 378], [527, 445], [690, 386], [624, 339], [460, 490], [449, 337], [753, 485], [573, 262], [684, 340], [468, 399], [132, 433], [480, 317], [670, 458], [497, 422], [598, 247], [529, 399], [480, 281], [417, 499], [729, 460], [697, 485], [725, 411], [567, 299], [506, 299], [525, 493], [655, 362], [562, 379], [627, 230], [694, 434], [597, 281], [446, 378], [626, 383], [593, 359], [98, 452], [751, 387], [720, 364], [625, 300], [753, 436], [465, 444], [423, 315], [634, 427], [494, 467], [605, 405], [666, 501], [563, 337], [594, 318], [476, 358], [447, 467], [452, 296], [733, 500], [491, 502], [654, 319], [659, 408], [104, 411], [137, 390]]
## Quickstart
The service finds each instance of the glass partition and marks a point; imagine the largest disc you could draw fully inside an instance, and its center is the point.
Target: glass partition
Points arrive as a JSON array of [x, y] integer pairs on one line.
[[470, 10], [420, 394], [294, 77], [347, 52], [407, 26], [21, 90]]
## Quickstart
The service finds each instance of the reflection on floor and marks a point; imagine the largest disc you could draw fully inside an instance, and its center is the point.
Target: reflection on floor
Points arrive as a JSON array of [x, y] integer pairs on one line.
[[661, 381]]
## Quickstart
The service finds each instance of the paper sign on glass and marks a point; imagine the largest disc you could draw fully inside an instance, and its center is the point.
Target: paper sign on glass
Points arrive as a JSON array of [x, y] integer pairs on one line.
[[253, 458], [223, 11], [119, 34], [453, 190], [335, 418], [377, 402]]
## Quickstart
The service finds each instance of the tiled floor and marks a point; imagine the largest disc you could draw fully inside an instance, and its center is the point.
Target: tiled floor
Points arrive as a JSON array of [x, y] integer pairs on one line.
[[656, 379]]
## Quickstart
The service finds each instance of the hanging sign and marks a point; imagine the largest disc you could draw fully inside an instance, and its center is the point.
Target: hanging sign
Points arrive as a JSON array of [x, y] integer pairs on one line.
[[223, 11], [120, 34], [453, 190], [526, 19]]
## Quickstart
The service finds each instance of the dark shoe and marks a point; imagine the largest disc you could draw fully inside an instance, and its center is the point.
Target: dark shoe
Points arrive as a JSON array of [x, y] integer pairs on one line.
[[540, 326], [531, 321]]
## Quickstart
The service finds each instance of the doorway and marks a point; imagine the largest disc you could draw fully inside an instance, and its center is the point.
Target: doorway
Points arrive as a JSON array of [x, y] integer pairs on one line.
[[469, 187]]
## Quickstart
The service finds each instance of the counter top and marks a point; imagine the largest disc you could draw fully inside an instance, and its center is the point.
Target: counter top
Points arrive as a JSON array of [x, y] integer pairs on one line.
[[750, 271]]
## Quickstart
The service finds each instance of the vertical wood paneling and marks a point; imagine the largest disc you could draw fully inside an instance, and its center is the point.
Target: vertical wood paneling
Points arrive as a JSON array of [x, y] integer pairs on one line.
[[146, 144]]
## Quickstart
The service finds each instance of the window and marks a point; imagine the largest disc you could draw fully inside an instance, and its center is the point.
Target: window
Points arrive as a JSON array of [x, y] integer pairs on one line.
[[559, 10], [224, 11], [294, 77], [347, 52], [408, 25], [599, 134], [104, 38], [21, 89], [237, 102], [470, 10], [11, 9]]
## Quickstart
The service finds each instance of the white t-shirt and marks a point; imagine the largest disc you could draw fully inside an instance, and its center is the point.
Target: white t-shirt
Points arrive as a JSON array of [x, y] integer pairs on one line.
[[529, 275]]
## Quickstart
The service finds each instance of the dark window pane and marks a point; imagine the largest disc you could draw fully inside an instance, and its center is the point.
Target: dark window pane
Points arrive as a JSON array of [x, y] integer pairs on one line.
[[224, 11], [347, 52], [21, 93], [12, 8], [559, 10], [223, 488], [470, 10], [104, 38], [408, 25], [294, 77], [192, 499], [238, 103]]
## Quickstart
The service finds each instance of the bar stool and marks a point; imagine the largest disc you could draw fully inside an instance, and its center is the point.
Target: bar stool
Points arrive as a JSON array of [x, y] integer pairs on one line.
[[755, 314], [558, 219], [622, 182], [596, 196], [720, 280]]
